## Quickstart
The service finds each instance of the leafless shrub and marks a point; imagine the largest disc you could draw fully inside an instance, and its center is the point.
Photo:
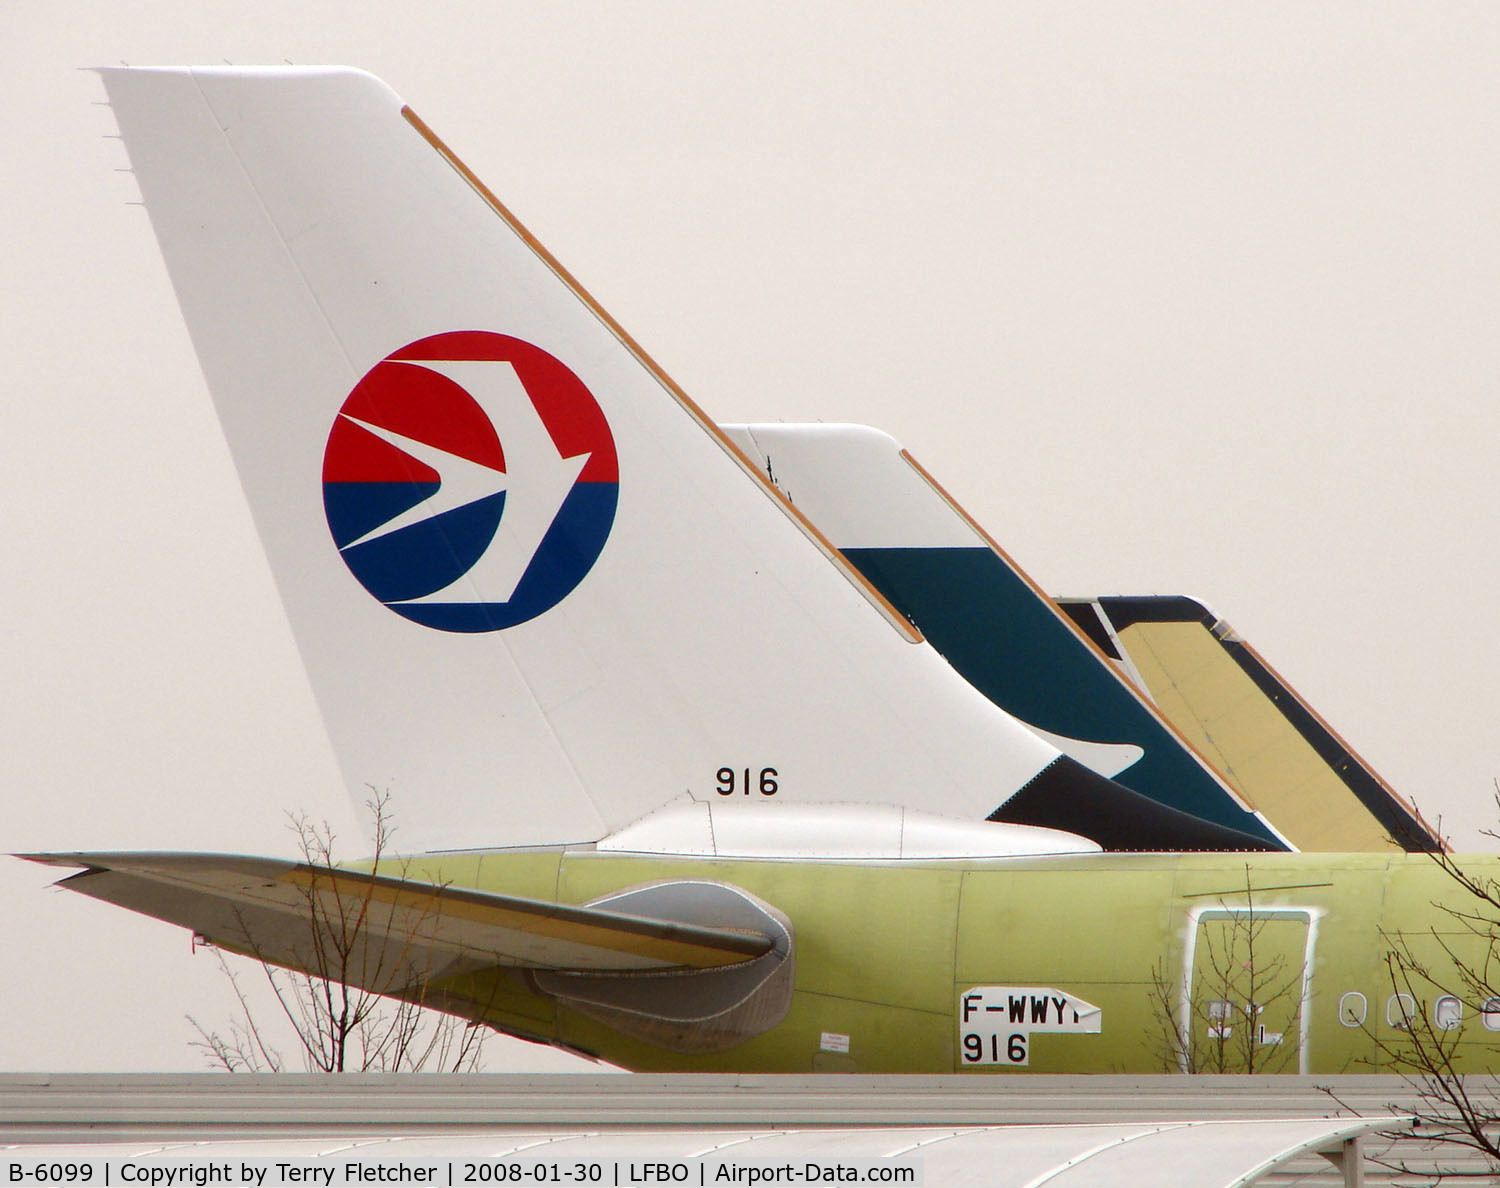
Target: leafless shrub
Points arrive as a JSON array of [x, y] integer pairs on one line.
[[358, 1000]]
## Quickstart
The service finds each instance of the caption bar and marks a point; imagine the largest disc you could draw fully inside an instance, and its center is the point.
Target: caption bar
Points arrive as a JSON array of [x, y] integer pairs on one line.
[[520, 1168]]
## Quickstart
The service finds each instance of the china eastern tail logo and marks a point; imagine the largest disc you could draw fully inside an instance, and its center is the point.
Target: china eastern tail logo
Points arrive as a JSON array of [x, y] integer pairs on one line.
[[470, 481]]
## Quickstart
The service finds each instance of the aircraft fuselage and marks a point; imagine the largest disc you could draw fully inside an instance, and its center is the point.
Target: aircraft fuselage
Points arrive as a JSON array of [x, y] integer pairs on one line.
[[1264, 962]]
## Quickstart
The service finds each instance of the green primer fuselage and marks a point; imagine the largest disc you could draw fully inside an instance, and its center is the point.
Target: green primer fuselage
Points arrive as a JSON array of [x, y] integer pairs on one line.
[[884, 951]]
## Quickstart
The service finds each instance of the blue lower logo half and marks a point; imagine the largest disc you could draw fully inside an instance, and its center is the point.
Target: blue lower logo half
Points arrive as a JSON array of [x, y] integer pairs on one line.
[[428, 556], [414, 561]]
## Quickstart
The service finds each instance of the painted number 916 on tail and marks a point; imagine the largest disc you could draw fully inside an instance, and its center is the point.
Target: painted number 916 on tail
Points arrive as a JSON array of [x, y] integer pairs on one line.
[[729, 780], [996, 1023]]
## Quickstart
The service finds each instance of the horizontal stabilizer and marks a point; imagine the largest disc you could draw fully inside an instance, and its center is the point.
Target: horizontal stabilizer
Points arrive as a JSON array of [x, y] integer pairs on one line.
[[292, 913]]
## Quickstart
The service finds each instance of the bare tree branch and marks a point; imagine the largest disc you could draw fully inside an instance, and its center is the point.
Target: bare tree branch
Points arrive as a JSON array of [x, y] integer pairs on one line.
[[1216, 1024], [360, 995]]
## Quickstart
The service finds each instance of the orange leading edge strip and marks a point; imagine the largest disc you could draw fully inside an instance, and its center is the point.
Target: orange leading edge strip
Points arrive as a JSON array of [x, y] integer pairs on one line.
[[860, 582]]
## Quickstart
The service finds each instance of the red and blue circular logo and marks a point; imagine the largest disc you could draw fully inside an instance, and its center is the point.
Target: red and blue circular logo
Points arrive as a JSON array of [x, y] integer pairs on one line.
[[470, 481]]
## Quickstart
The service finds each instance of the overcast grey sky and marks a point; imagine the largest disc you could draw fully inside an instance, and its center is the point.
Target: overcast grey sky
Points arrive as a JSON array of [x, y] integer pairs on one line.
[[1173, 297]]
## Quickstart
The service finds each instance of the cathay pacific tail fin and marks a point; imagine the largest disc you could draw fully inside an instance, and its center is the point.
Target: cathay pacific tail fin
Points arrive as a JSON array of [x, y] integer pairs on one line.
[[981, 611], [537, 593]]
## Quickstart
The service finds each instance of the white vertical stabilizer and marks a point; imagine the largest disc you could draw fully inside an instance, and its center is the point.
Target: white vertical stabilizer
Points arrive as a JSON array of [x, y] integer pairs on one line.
[[540, 655]]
